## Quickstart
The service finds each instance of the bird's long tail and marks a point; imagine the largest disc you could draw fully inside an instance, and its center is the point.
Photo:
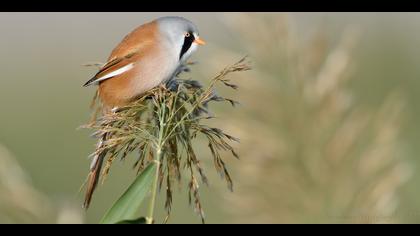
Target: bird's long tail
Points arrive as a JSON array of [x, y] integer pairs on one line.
[[95, 172]]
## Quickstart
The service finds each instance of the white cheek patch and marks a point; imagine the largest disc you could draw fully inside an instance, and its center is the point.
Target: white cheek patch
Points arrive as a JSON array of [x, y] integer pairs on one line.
[[116, 72], [187, 54]]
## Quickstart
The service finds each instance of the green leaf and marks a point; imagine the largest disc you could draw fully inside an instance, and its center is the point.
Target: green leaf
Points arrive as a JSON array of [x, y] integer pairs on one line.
[[138, 221], [125, 208]]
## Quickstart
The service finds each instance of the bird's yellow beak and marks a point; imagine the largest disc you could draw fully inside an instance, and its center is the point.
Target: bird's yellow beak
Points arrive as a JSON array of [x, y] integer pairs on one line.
[[199, 41]]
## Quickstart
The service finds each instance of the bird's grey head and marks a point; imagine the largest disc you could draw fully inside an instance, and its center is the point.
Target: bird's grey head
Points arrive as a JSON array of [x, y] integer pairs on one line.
[[181, 34]]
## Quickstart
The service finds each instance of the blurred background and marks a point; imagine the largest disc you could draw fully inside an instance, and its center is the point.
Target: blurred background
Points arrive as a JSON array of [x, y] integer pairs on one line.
[[328, 123]]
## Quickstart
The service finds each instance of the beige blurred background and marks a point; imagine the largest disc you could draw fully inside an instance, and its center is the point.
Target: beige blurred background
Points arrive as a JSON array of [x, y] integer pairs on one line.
[[328, 122]]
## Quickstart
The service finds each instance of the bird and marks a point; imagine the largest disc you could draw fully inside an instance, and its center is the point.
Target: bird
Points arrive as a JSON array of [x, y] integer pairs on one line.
[[148, 56]]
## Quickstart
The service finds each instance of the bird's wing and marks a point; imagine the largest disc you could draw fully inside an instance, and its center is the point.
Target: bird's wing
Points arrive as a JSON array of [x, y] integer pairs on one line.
[[114, 67], [123, 58], [131, 48]]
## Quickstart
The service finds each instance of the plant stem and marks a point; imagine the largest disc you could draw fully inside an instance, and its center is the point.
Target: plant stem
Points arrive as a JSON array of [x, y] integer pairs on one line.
[[158, 158]]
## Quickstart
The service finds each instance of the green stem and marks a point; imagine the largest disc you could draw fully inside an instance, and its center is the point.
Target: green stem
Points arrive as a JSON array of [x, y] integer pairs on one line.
[[158, 158]]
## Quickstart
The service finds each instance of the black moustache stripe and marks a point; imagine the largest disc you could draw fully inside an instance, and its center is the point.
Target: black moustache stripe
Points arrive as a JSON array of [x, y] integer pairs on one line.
[[187, 44]]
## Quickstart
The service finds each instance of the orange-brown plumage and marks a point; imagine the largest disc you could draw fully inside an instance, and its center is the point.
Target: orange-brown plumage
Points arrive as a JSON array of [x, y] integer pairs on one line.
[[120, 90]]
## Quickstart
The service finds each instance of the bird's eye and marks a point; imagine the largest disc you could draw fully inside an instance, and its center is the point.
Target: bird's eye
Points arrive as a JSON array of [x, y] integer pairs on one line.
[[187, 35]]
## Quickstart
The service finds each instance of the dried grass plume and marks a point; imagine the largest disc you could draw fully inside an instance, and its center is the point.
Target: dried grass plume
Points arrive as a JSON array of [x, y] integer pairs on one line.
[[161, 126]]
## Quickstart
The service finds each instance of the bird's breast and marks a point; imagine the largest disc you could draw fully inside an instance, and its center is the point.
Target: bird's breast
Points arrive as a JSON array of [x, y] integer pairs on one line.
[[150, 70]]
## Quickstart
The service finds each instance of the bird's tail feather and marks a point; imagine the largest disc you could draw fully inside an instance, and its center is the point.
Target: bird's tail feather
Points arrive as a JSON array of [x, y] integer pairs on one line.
[[94, 173]]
